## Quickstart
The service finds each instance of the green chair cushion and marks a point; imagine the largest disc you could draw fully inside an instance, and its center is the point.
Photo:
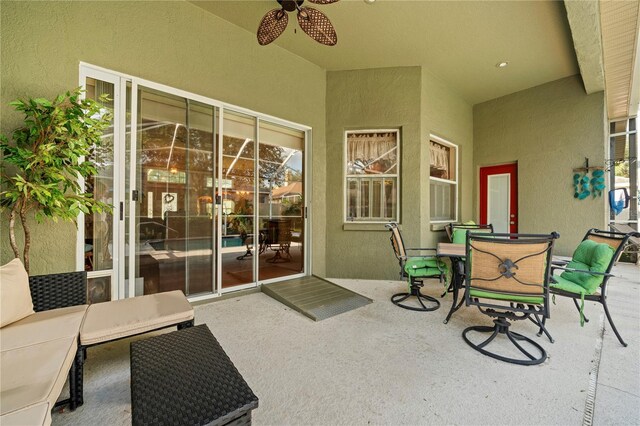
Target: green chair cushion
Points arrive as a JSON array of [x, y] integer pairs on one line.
[[589, 256], [566, 285], [459, 235], [430, 262], [424, 272], [424, 267], [534, 300]]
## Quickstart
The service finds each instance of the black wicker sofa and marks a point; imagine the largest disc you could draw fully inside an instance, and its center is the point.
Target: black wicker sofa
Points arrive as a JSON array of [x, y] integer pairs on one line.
[[41, 350]]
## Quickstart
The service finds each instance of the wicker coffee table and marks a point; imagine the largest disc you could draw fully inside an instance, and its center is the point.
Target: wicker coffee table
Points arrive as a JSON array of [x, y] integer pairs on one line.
[[186, 378]]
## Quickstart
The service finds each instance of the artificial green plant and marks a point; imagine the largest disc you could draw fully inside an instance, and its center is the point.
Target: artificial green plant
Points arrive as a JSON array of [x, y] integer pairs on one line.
[[49, 156]]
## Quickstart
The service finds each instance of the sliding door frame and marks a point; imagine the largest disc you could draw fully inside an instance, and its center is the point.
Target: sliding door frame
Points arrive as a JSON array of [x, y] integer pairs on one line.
[[119, 291], [116, 273]]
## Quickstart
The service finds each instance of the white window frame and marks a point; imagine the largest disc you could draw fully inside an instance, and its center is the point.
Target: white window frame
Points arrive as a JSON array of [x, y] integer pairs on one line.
[[611, 184], [454, 182], [346, 176]]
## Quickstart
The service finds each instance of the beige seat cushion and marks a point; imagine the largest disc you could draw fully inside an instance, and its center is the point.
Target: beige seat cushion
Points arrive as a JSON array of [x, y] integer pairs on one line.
[[42, 327], [35, 374], [121, 318], [15, 296], [39, 414]]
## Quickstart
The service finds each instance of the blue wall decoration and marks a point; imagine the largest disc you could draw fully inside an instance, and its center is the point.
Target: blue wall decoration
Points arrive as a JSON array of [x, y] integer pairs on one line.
[[585, 185]]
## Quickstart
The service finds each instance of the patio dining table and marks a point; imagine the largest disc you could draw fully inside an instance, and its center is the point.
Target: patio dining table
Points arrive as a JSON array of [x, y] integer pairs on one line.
[[456, 253]]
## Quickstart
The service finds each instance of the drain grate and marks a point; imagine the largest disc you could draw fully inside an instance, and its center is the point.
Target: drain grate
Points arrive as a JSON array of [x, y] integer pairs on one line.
[[315, 297], [590, 403]]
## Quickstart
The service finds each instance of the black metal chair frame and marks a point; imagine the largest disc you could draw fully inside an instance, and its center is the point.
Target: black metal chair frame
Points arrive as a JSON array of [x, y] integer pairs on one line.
[[451, 226], [457, 266], [247, 240], [600, 297], [415, 283], [515, 311], [633, 243], [278, 240]]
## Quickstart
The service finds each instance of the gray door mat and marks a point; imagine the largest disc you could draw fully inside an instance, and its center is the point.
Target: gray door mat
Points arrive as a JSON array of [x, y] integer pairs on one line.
[[315, 297]]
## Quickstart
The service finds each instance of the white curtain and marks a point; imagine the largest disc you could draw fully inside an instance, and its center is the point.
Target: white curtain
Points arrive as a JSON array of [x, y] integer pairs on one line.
[[368, 147], [440, 157]]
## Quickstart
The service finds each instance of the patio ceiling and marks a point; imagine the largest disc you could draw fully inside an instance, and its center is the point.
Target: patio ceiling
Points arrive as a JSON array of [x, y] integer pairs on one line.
[[620, 29], [459, 42]]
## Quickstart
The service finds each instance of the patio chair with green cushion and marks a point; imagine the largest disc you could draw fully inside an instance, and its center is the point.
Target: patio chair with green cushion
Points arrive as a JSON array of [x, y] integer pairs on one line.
[[415, 269], [508, 279], [586, 276], [457, 232]]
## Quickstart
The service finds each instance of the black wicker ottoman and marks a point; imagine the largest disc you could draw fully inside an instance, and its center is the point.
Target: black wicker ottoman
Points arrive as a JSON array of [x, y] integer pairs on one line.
[[186, 378]]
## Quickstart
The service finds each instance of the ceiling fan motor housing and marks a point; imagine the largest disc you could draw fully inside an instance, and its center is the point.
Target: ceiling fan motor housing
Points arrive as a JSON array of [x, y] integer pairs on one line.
[[290, 5]]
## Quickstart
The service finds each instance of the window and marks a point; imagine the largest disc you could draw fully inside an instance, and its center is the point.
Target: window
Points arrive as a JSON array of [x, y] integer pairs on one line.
[[623, 153], [372, 174], [443, 180], [166, 176]]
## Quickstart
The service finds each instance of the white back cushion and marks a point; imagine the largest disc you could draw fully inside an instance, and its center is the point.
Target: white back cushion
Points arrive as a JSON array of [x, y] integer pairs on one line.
[[15, 297]]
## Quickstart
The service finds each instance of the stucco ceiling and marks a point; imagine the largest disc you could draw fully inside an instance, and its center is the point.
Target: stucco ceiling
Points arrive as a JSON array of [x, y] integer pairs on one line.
[[584, 19], [459, 42]]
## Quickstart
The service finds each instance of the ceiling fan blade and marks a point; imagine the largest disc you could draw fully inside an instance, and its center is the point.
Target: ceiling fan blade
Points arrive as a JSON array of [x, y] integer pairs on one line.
[[272, 25], [317, 26], [322, 1]]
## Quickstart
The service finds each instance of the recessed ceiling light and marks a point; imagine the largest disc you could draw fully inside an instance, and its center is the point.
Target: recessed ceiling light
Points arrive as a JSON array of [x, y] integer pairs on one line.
[[369, 1], [502, 64]]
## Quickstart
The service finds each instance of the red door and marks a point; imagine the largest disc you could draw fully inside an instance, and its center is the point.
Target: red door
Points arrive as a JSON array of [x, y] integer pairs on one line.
[[499, 197]]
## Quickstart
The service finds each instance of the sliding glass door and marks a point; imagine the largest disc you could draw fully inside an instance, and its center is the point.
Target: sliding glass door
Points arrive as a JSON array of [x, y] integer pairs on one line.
[[99, 251], [237, 189], [281, 201], [207, 198], [174, 217], [268, 239]]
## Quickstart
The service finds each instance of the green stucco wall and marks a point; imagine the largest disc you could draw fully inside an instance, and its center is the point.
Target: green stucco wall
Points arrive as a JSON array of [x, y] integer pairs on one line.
[[173, 43], [412, 100], [446, 115], [548, 130]]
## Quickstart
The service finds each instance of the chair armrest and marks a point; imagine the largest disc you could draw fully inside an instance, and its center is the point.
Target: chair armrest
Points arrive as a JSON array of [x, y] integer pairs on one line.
[[605, 274], [54, 291]]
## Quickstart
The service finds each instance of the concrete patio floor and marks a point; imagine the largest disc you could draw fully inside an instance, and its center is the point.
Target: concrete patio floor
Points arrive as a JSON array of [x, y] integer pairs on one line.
[[380, 364]]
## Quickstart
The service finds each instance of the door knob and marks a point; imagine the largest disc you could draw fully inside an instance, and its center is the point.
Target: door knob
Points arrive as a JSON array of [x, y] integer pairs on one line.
[[512, 222]]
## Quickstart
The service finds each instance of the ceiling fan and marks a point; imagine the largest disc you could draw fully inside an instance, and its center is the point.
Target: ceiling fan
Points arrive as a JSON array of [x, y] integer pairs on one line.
[[312, 21]]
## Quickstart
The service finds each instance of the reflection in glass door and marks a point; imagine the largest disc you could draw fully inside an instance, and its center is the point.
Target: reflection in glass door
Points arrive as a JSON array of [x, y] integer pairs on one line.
[[174, 215], [269, 239], [100, 229], [205, 199], [281, 205], [237, 190]]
